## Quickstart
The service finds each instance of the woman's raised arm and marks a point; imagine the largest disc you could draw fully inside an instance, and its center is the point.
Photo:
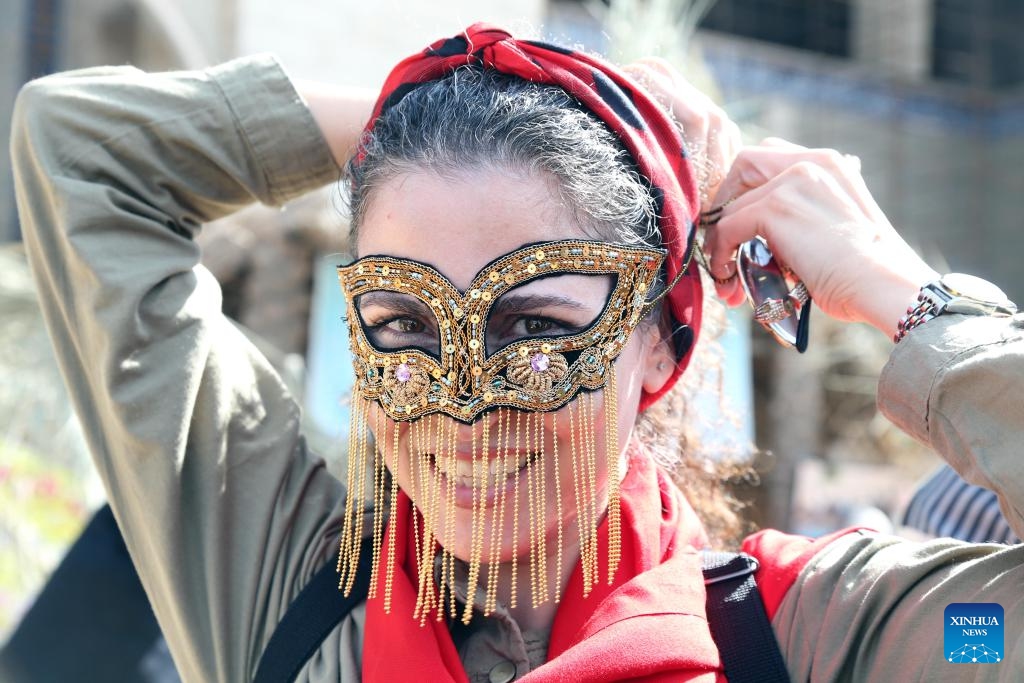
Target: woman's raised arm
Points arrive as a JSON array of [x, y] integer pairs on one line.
[[225, 513]]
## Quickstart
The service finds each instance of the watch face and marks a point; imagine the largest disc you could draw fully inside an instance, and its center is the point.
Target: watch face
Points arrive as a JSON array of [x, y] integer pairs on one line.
[[961, 285]]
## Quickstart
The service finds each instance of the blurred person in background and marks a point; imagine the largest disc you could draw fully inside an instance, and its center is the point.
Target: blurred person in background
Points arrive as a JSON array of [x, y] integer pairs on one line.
[[525, 299]]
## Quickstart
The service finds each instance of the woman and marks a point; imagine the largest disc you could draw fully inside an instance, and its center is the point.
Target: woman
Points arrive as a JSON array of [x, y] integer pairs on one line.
[[510, 318]]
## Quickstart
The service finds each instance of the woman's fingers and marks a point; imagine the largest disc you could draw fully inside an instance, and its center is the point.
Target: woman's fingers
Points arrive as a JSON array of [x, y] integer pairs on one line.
[[728, 288], [723, 144], [812, 227], [659, 64], [781, 143], [811, 205], [820, 221], [691, 108], [750, 215], [712, 138], [760, 212], [755, 165]]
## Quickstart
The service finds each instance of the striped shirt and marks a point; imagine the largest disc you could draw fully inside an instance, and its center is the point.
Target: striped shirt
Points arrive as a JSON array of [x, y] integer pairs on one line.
[[947, 506]]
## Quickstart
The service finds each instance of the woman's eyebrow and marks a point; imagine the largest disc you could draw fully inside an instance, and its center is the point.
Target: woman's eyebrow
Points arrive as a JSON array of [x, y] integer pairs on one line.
[[393, 300], [507, 304], [521, 303]]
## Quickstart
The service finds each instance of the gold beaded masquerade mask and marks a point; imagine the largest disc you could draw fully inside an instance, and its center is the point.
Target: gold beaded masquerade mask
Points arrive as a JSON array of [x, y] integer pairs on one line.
[[451, 359], [429, 358]]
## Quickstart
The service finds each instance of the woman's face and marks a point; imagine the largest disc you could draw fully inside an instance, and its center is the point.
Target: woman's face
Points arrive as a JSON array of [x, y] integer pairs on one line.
[[458, 224]]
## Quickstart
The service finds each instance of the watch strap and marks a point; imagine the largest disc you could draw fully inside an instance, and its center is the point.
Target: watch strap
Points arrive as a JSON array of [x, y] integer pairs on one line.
[[936, 298], [917, 313]]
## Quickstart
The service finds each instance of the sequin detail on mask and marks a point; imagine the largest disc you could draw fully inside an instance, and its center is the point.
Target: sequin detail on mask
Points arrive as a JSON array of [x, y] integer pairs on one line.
[[535, 373]]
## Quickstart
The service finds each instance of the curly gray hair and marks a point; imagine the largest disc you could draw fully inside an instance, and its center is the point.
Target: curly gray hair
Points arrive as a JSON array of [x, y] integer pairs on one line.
[[476, 118]]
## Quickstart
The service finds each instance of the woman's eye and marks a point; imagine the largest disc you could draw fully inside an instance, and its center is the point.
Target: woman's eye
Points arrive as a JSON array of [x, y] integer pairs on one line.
[[397, 331], [535, 326], [406, 325], [504, 330]]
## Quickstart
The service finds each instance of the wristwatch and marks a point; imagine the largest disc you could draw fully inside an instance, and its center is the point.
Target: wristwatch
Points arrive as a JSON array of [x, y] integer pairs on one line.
[[955, 293]]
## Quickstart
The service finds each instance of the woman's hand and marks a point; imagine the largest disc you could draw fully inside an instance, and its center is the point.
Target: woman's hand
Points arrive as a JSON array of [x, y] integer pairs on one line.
[[815, 212], [341, 112], [712, 139]]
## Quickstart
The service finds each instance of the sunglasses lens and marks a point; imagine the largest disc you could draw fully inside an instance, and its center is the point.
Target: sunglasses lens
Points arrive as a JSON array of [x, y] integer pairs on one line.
[[769, 292]]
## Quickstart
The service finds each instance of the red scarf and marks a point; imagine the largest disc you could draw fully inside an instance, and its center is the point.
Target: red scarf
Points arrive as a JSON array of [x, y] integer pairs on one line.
[[650, 625]]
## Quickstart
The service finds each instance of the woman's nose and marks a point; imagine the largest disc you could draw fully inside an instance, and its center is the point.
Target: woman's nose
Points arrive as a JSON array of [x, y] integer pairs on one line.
[[470, 436]]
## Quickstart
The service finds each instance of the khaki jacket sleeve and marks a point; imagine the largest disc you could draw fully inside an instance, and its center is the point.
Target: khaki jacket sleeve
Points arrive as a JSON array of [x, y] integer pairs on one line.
[[957, 385], [870, 607], [224, 511]]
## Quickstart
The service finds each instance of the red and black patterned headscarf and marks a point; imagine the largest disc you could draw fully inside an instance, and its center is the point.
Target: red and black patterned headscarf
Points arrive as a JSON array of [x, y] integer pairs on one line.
[[646, 130]]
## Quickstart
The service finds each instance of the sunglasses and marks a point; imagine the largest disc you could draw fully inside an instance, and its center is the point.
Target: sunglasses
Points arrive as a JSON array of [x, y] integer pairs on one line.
[[780, 300]]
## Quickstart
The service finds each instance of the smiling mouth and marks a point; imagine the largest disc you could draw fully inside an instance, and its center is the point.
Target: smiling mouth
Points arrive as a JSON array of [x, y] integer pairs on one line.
[[460, 471]]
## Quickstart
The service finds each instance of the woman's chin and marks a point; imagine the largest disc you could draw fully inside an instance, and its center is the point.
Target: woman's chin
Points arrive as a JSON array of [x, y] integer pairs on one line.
[[461, 546]]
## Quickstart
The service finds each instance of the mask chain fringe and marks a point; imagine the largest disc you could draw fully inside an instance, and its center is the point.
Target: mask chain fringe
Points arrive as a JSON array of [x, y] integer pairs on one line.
[[586, 549], [348, 552], [542, 549], [588, 424], [513, 596], [431, 491], [449, 559], [380, 432], [417, 461], [485, 484], [498, 518], [366, 444], [577, 484], [414, 437], [558, 505], [611, 423], [344, 543], [531, 498], [426, 593], [477, 521], [438, 439], [442, 436], [396, 465]]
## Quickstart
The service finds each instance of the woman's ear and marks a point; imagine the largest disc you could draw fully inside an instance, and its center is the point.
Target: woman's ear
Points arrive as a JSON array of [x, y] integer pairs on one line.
[[658, 360]]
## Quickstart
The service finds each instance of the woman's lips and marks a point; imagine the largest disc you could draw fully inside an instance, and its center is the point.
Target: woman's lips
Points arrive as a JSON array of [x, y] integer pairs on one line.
[[460, 469]]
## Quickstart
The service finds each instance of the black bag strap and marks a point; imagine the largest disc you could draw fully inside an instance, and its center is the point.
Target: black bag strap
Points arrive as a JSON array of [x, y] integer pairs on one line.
[[739, 624], [311, 616]]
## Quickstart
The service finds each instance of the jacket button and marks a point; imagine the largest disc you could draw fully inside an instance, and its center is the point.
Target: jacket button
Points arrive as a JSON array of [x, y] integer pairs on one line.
[[502, 672]]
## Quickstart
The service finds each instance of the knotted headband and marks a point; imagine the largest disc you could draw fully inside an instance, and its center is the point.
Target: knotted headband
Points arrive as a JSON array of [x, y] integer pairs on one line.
[[646, 130]]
